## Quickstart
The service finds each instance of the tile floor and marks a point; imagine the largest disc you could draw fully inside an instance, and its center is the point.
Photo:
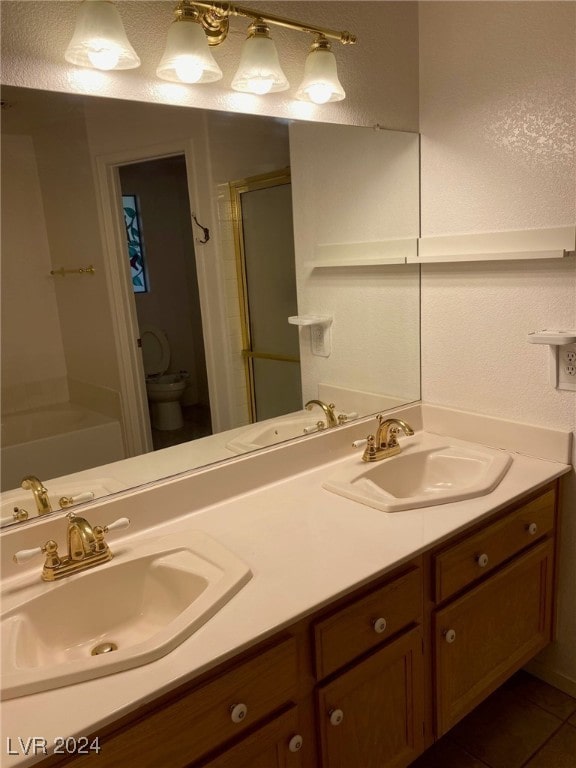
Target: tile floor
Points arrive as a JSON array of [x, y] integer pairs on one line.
[[525, 724]]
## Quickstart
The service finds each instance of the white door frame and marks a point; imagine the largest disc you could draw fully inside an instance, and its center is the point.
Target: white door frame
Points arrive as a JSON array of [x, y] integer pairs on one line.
[[133, 400]]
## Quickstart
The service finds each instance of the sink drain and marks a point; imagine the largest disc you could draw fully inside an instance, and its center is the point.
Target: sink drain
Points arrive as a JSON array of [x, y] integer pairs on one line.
[[103, 648]]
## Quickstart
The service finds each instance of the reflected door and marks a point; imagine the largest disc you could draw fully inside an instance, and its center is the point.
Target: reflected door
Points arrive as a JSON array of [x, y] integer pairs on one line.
[[262, 208]]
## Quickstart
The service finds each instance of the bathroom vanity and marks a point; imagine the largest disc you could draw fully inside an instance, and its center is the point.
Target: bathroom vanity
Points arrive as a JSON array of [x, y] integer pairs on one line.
[[362, 636]]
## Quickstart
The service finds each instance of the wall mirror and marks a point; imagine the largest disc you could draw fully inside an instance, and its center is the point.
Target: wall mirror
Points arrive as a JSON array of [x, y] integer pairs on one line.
[[152, 258]]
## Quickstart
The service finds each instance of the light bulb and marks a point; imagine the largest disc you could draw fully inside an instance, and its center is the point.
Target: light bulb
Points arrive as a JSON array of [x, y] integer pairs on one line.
[[259, 85], [319, 93], [102, 56], [188, 69]]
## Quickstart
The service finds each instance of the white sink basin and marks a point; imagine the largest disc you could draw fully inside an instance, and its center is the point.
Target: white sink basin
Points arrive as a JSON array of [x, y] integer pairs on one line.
[[145, 602], [430, 470], [274, 431]]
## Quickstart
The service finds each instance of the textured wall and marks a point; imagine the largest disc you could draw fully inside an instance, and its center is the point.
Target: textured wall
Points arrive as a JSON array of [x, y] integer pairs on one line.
[[383, 62], [353, 185], [497, 117]]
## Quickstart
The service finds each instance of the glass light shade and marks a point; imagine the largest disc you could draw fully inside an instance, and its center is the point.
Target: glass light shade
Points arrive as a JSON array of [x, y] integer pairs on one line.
[[99, 39], [320, 83], [259, 70], [187, 57]]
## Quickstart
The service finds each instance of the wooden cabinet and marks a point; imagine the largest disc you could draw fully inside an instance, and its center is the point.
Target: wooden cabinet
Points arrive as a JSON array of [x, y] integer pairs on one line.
[[185, 727], [275, 745], [500, 579], [368, 621], [472, 558], [372, 715], [358, 684]]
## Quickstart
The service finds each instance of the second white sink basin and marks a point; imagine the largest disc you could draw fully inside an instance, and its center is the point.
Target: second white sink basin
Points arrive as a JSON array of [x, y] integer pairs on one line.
[[272, 431], [430, 470], [116, 616]]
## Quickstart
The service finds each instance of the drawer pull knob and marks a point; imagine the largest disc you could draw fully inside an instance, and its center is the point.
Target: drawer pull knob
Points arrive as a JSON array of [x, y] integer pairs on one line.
[[295, 743], [336, 716], [450, 635], [532, 529], [238, 712], [379, 625], [482, 560]]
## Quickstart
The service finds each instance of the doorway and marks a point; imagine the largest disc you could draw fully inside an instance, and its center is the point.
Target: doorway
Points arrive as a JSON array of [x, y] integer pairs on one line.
[[165, 283]]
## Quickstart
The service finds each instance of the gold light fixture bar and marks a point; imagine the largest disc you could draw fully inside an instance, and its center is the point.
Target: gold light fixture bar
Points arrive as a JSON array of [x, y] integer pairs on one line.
[[215, 20]]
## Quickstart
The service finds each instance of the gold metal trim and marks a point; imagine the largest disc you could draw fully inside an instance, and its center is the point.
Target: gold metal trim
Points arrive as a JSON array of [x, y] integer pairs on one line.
[[269, 356], [237, 189], [214, 17]]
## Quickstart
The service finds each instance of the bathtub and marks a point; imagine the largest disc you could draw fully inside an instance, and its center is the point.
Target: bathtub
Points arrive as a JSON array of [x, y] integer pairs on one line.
[[56, 440]]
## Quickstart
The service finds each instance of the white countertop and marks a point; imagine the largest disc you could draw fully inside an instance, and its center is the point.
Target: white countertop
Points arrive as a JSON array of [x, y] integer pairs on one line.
[[305, 545]]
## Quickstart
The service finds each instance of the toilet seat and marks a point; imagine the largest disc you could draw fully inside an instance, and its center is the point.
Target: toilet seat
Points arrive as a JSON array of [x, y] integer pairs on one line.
[[155, 350]]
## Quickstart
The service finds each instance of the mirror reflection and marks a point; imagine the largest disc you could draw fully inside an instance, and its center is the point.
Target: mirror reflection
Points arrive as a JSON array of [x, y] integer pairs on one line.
[[152, 258]]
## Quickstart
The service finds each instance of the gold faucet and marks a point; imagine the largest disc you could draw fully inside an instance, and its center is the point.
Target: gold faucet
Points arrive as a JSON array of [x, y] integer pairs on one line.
[[86, 548], [385, 442], [331, 419], [31, 483]]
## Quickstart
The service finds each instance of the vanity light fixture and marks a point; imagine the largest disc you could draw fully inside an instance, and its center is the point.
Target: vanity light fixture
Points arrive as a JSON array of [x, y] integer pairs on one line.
[[259, 70], [99, 39], [100, 42]]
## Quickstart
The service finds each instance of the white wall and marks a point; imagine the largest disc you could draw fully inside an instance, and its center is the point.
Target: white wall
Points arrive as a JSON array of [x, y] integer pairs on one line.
[[497, 118], [371, 179], [33, 362]]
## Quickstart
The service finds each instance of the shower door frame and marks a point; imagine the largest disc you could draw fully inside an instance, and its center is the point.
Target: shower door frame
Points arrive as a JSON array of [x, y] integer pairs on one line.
[[237, 189]]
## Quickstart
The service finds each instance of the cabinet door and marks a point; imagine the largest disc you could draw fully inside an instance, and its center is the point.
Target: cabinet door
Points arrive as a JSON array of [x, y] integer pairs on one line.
[[489, 633], [372, 715], [276, 745]]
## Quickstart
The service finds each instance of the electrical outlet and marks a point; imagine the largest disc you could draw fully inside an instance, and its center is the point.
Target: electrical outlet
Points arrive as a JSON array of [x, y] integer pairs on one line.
[[320, 339], [567, 367]]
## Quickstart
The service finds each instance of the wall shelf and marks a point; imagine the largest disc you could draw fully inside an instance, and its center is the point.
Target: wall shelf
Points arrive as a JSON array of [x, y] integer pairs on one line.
[[376, 253], [513, 245]]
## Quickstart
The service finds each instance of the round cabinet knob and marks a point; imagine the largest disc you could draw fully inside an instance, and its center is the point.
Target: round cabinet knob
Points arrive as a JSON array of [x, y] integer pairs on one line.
[[238, 712], [482, 560], [295, 743], [532, 529], [336, 716], [450, 635], [379, 625]]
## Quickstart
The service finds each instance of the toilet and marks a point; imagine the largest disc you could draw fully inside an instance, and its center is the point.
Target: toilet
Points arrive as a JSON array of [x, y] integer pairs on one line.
[[164, 389]]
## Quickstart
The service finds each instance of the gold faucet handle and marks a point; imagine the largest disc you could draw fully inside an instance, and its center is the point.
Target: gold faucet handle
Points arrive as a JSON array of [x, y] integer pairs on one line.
[[50, 549], [370, 450], [99, 531]]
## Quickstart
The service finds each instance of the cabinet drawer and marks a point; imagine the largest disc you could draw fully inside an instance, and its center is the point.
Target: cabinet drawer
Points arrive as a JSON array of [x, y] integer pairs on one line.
[[470, 559], [366, 623], [185, 729]]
